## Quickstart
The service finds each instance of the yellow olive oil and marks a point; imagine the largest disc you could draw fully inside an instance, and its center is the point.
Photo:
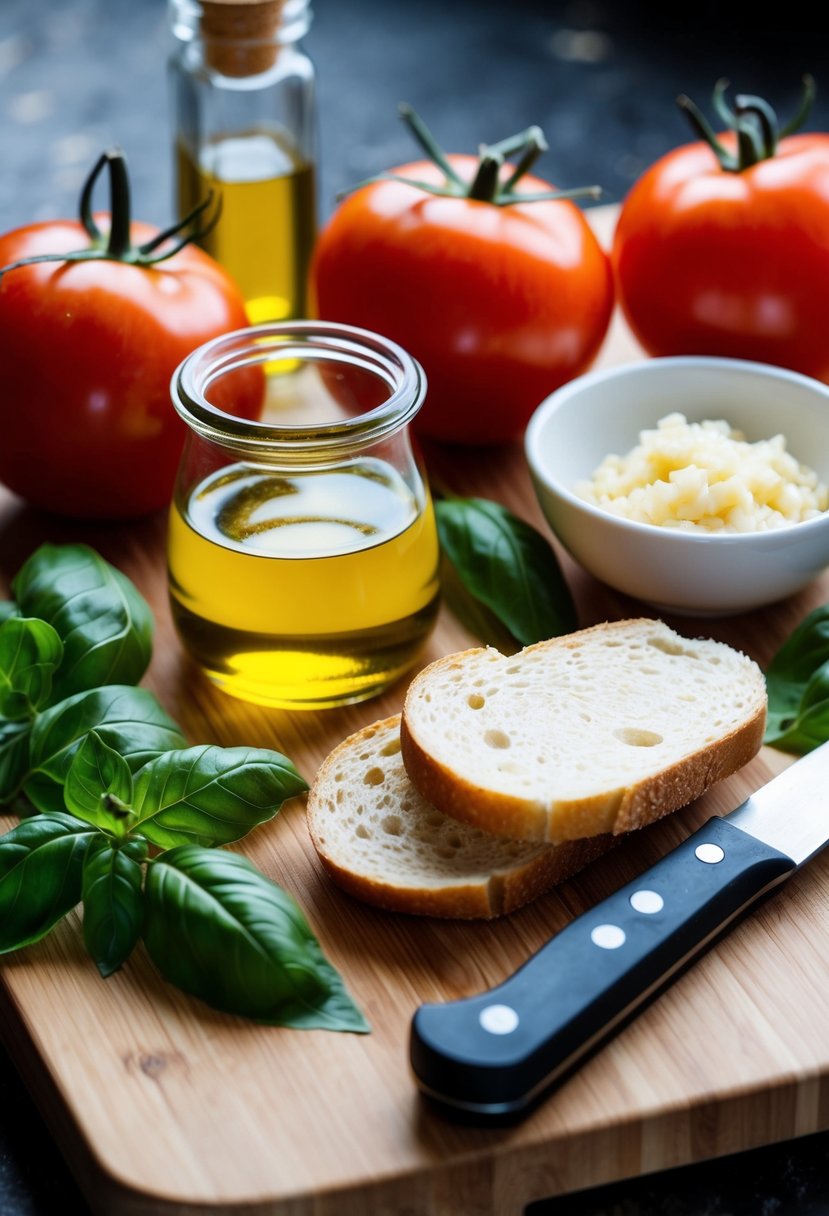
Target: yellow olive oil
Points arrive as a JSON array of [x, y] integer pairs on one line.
[[266, 229], [307, 589]]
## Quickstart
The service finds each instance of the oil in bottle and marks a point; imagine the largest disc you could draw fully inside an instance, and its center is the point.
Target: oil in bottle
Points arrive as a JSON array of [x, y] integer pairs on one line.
[[265, 232]]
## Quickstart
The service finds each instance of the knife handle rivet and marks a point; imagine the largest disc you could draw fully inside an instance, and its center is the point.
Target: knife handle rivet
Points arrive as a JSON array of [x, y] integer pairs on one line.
[[609, 937], [647, 902], [709, 853], [498, 1019]]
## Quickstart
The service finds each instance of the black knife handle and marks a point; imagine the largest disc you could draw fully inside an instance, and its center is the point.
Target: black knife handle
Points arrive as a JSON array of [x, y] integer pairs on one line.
[[491, 1055]]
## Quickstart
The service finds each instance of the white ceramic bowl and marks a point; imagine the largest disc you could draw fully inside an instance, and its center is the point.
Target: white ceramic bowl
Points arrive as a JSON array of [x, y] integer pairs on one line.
[[690, 572]]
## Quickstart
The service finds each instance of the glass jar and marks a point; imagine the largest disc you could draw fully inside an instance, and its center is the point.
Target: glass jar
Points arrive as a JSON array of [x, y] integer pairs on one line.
[[242, 93], [303, 553]]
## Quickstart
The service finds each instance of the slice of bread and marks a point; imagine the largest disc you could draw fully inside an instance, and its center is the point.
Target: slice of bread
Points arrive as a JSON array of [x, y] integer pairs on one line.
[[604, 730], [385, 844]]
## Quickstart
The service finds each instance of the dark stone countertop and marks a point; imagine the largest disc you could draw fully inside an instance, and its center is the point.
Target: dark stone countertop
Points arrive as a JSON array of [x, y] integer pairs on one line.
[[601, 79]]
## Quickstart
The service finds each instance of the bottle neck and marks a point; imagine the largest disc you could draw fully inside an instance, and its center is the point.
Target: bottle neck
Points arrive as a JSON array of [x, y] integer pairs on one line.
[[240, 38]]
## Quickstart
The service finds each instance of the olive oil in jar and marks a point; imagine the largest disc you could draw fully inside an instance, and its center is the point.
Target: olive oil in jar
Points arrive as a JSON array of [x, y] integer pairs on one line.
[[266, 229], [313, 588]]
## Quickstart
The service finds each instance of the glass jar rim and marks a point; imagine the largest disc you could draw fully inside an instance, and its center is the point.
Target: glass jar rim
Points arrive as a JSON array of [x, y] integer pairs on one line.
[[330, 342]]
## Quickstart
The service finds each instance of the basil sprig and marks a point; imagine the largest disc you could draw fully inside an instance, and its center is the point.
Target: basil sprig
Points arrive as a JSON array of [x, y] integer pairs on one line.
[[131, 817], [798, 687], [508, 567]]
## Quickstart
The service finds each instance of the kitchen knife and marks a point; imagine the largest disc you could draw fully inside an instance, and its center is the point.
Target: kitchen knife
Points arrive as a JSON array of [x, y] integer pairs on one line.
[[493, 1055]]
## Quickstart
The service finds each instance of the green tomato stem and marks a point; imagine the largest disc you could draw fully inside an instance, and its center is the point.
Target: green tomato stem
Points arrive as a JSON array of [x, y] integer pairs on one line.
[[536, 144], [807, 98], [428, 143], [119, 246], [486, 185], [753, 122], [765, 117], [116, 245]]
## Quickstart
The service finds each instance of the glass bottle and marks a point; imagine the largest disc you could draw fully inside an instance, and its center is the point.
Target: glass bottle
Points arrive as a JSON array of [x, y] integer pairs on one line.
[[242, 93], [303, 553]]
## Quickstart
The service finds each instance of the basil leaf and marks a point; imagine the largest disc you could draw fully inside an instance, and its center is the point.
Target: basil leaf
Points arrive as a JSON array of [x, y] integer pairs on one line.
[[796, 679], [30, 653], [14, 757], [41, 868], [95, 772], [8, 608], [481, 622], [105, 625], [508, 566], [129, 720], [211, 795], [809, 726], [220, 930], [113, 902]]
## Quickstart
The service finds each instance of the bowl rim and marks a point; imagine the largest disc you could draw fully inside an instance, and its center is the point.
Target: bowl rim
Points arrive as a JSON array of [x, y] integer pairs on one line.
[[687, 536]]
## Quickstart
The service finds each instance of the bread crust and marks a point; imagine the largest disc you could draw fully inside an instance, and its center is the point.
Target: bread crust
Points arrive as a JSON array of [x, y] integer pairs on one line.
[[614, 811], [505, 889]]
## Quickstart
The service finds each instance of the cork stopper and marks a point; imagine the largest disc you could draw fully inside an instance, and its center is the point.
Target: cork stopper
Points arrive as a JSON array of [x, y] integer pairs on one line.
[[240, 36]]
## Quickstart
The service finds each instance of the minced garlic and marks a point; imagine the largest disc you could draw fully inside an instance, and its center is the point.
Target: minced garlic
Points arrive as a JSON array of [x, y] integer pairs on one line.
[[704, 475]]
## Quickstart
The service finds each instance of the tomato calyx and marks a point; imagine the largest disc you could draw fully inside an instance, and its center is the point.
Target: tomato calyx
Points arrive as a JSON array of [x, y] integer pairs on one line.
[[487, 185], [752, 120], [116, 245]]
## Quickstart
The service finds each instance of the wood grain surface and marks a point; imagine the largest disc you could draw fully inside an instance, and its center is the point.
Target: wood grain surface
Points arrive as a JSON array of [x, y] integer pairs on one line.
[[166, 1107]]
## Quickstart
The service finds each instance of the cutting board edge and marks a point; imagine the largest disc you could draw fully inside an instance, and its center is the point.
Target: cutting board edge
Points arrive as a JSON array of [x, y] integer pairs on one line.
[[499, 1181]]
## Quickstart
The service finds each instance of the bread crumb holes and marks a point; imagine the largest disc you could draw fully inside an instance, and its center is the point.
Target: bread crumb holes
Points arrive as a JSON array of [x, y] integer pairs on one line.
[[634, 736], [392, 825], [669, 647], [374, 776], [497, 739], [391, 748], [476, 701]]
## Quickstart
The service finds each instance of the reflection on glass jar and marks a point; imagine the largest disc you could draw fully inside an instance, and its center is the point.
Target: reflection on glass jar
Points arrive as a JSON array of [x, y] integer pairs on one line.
[[303, 554]]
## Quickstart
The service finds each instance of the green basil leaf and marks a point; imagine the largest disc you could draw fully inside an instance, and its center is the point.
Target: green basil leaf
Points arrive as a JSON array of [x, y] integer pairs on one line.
[[30, 653], [129, 720], [8, 608], [113, 902], [508, 566], [805, 732], [481, 622], [797, 667], [211, 795], [105, 625], [808, 726], [223, 932], [95, 772], [14, 757], [41, 870]]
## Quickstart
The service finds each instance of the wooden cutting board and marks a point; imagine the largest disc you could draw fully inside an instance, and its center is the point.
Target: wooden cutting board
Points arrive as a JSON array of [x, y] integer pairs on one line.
[[163, 1106]]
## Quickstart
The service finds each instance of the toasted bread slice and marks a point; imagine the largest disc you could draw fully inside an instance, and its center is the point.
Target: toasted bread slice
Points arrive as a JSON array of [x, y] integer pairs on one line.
[[385, 844], [604, 730]]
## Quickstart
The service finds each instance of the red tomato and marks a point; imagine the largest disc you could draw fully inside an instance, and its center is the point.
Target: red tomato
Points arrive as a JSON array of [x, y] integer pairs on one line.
[[500, 304], [730, 263], [87, 350]]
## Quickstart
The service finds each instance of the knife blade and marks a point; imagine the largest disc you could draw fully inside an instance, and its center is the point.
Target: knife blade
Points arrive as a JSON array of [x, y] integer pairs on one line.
[[493, 1055]]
